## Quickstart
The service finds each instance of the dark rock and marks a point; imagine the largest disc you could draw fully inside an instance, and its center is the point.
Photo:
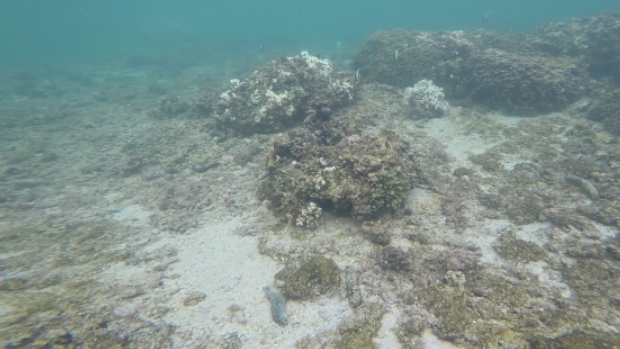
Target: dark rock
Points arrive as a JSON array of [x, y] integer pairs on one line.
[[393, 258]]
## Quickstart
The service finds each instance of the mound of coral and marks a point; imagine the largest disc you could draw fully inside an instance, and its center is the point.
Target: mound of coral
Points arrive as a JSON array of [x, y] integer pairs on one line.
[[521, 84], [496, 70], [324, 165], [400, 57], [595, 39], [309, 279], [282, 92]]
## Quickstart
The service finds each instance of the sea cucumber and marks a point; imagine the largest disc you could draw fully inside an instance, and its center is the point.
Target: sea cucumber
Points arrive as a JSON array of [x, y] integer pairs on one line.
[[205, 168], [352, 286], [278, 305], [586, 186]]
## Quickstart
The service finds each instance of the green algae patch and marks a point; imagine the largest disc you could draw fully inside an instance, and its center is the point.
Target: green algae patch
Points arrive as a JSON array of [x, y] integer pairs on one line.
[[594, 277], [453, 314], [517, 250], [315, 277], [490, 307], [359, 333], [580, 339]]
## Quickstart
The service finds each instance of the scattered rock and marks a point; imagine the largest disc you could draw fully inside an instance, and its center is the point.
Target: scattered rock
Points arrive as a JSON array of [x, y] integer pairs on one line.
[[194, 298]]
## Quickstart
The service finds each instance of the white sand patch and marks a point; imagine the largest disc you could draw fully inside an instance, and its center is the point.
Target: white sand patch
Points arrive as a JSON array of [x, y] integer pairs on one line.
[[432, 342], [386, 339], [231, 273], [132, 213], [423, 201], [458, 145], [607, 231], [483, 235]]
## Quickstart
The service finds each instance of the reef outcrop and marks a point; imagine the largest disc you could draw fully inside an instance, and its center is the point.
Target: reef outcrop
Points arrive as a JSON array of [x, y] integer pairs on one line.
[[521, 84], [281, 93], [326, 166]]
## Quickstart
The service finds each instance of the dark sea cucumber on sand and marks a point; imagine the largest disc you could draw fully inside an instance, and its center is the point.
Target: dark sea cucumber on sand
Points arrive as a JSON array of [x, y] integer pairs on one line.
[[586, 186], [278, 305]]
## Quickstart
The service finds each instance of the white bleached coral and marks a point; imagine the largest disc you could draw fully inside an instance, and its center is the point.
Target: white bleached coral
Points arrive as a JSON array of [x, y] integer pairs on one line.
[[426, 99], [323, 66], [308, 216]]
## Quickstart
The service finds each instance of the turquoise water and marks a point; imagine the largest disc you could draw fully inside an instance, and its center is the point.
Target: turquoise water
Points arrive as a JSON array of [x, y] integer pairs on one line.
[[34, 32]]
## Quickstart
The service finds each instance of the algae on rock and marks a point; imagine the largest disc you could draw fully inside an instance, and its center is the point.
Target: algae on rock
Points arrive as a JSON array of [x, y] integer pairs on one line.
[[325, 165], [313, 278]]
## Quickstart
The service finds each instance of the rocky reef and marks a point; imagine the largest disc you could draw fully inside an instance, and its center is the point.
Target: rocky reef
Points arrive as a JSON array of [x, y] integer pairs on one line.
[[281, 93], [521, 84], [596, 39], [400, 57], [324, 165], [476, 67]]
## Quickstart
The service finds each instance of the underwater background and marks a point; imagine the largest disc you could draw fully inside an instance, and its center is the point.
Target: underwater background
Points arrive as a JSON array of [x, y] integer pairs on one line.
[[310, 174], [36, 32]]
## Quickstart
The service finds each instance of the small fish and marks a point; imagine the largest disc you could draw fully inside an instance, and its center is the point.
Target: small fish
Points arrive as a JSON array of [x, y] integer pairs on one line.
[[358, 76], [261, 48], [487, 16], [396, 54]]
